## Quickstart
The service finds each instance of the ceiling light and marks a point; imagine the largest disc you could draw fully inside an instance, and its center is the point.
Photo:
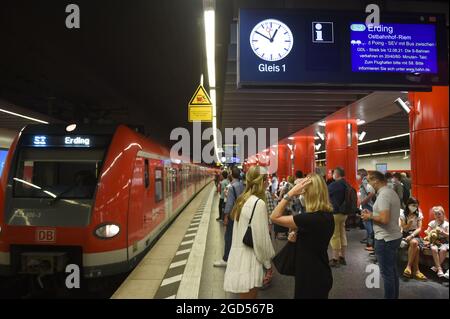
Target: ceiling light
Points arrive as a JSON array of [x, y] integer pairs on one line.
[[400, 151], [23, 116], [321, 135], [318, 146], [362, 135], [316, 137], [391, 137], [364, 155], [291, 138], [403, 105], [71, 127], [368, 142], [381, 153], [360, 122]]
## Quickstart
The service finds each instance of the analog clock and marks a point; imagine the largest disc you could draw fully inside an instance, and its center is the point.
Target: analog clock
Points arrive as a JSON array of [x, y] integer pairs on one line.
[[271, 40]]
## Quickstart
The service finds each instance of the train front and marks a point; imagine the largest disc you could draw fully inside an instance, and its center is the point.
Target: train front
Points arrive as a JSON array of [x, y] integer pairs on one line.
[[49, 187]]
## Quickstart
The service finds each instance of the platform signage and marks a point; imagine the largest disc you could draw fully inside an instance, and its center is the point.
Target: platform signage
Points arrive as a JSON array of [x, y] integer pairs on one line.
[[3, 154], [83, 141], [200, 106], [337, 49], [404, 48]]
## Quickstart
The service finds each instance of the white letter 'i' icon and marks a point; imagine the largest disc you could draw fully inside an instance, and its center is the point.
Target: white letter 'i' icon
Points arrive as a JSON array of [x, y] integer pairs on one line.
[[318, 28]]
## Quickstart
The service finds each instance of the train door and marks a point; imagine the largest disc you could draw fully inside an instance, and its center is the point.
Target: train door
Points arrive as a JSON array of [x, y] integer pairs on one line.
[[136, 208], [168, 190], [158, 212]]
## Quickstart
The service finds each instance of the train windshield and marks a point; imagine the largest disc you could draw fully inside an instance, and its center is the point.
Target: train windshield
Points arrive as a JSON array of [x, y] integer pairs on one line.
[[57, 173]]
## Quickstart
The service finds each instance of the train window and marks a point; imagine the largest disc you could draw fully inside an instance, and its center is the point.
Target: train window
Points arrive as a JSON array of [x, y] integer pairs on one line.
[[158, 185], [146, 174], [62, 173]]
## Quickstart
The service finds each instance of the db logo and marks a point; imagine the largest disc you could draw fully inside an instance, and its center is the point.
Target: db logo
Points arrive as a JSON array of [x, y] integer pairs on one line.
[[46, 235]]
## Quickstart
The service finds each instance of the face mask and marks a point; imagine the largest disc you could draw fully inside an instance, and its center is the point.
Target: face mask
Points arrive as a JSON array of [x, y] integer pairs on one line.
[[412, 208]]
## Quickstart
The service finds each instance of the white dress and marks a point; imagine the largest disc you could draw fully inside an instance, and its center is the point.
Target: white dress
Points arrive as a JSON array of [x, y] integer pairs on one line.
[[245, 266]]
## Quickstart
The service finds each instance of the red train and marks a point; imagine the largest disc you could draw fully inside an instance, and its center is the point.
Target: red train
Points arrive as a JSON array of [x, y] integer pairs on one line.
[[95, 196]]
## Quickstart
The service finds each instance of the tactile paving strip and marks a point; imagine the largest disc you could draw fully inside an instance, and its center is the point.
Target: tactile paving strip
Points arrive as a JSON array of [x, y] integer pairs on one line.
[[171, 281]]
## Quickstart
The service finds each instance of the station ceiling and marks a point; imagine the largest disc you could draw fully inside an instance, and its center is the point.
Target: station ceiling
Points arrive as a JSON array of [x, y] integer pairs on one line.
[[139, 63]]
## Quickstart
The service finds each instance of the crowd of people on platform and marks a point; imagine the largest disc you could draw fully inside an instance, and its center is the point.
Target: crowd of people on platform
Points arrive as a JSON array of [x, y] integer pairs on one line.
[[313, 213]]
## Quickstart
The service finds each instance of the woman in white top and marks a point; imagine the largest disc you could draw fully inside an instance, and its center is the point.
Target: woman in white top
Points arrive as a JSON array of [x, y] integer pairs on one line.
[[247, 266], [440, 247], [411, 224]]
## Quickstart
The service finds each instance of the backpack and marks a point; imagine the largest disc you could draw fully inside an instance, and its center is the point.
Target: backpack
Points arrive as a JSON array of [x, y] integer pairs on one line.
[[349, 205]]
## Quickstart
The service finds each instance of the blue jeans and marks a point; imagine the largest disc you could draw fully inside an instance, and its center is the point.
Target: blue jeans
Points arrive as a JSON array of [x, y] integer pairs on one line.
[[228, 238], [387, 253], [368, 225]]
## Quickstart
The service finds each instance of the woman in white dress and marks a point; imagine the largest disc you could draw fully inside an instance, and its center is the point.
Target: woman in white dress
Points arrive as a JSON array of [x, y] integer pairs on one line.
[[247, 266]]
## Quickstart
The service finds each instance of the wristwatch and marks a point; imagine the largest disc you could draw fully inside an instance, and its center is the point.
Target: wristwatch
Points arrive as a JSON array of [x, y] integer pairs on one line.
[[287, 197]]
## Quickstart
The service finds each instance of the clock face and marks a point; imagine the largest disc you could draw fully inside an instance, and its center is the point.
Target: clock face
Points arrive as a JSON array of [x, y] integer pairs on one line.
[[271, 40]]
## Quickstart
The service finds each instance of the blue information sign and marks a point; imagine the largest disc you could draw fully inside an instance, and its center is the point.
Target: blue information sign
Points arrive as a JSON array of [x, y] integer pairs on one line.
[[405, 48], [3, 154], [317, 49]]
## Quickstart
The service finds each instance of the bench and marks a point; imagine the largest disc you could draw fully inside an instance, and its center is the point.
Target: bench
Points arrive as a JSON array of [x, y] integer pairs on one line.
[[425, 258]]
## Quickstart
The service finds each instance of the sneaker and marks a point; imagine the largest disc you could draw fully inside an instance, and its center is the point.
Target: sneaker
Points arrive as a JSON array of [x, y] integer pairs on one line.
[[434, 269], [220, 263], [334, 263], [446, 275], [342, 261], [440, 274]]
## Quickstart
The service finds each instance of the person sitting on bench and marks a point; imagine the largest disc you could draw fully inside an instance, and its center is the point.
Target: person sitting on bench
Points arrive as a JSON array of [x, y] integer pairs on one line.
[[411, 225], [439, 247]]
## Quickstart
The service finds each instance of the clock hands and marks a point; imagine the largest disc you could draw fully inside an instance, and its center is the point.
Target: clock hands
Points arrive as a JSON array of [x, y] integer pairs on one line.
[[263, 36], [274, 34], [271, 38]]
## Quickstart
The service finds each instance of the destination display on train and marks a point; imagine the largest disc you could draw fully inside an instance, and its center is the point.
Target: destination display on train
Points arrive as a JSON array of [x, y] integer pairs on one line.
[[405, 48], [42, 140], [316, 49]]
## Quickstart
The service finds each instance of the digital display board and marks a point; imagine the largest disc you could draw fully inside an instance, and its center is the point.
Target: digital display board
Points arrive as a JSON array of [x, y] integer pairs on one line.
[[336, 49], [3, 154], [84, 141], [405, 48], [231, 152]]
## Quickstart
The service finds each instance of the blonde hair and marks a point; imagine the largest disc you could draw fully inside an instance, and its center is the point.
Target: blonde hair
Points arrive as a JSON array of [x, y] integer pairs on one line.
[[254, 186], [316, 195], [438, 209]]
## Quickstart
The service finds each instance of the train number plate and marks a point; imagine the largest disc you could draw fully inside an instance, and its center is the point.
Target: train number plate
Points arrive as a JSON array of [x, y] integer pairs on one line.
[[45, 235]]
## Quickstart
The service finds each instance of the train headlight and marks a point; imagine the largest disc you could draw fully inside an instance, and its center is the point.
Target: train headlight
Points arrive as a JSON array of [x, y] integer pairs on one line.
[[107, 231]]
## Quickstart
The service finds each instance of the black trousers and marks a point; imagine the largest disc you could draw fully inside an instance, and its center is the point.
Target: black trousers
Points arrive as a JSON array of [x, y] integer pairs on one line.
[[221, 207]]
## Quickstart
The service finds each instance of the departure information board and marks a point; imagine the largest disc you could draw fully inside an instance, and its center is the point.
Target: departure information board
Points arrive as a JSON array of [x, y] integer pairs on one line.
[[405, 48], [337, 49]]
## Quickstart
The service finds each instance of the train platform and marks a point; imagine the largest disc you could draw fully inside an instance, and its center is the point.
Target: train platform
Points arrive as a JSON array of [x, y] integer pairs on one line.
[[180, 265]]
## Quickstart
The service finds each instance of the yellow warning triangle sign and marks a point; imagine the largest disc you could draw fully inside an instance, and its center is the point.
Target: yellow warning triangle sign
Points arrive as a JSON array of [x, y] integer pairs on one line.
[[200, 97]]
